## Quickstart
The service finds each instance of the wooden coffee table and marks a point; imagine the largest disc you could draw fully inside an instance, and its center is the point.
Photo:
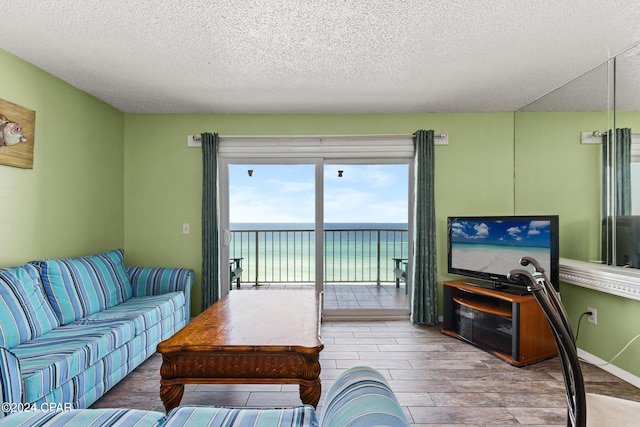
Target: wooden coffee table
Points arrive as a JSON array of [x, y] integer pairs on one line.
[[248, 337]]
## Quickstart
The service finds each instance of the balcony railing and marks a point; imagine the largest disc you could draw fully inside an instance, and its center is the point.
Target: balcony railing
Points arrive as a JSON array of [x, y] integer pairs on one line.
[[350, 255]]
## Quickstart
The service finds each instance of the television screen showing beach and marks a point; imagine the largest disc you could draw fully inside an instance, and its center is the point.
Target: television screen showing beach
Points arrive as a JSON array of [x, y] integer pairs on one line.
[[495, 247]]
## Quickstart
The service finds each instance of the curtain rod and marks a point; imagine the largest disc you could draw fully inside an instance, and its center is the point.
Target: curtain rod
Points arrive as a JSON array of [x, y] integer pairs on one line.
[[595, 137], [597, 133], [196, 138], [442, 138]]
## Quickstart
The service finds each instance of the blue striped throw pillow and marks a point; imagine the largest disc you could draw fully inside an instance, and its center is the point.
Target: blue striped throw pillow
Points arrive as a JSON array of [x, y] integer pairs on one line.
[[78, 287], [24, 312]]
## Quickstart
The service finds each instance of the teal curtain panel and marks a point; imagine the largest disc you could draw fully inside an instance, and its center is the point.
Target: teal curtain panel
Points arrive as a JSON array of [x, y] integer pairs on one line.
[[424, 300], [210, 252]]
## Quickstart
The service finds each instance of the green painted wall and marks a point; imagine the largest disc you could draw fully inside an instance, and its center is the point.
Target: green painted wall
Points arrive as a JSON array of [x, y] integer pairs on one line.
[[72, 201], [618, 320], [474, 173], [628, 119], [556, 174]]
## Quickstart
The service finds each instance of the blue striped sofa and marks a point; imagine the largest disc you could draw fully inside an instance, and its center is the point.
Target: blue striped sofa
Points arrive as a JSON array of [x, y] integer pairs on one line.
[[360, 397], [70, 329]]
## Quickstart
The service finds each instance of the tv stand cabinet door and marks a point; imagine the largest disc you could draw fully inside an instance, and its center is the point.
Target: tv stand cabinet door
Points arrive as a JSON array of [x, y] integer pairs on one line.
[[536, 338]]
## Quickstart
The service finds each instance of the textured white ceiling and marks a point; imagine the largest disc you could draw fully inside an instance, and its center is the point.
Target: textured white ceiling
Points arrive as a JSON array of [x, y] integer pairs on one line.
[[325, 56]]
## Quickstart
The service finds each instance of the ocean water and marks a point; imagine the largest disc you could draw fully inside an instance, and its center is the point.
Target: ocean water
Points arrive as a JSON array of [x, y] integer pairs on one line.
[[309, 225], [285, 252]]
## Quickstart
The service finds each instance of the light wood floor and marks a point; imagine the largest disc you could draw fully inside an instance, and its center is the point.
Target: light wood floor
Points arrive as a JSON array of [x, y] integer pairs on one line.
[[438, 380]]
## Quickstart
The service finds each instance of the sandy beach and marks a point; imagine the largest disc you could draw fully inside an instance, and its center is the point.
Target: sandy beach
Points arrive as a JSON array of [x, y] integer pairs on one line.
[[495, 259]]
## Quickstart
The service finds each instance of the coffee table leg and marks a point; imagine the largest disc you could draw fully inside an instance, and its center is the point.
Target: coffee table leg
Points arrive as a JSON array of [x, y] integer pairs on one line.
[[171, 395], [310, 394]]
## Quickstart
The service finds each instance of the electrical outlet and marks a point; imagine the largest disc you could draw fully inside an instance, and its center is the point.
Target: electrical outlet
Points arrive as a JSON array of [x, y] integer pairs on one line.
[[593, 317], [186, 228]]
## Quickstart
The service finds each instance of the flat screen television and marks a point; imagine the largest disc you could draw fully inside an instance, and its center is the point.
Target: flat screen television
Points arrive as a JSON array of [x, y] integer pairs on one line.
[[489, 247]]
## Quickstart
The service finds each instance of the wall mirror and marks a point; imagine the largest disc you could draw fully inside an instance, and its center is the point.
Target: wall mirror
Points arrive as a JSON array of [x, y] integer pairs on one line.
[[623, 194], [558, 120], [590, 92], [601, 109]]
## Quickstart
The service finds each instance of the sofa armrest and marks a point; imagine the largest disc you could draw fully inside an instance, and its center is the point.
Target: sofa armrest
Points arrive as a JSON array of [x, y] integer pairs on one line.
[[157, 280], [10, 382], [361, 396]]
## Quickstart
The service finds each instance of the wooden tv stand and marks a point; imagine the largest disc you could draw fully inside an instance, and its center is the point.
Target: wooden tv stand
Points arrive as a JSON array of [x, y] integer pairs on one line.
[[509, 326]]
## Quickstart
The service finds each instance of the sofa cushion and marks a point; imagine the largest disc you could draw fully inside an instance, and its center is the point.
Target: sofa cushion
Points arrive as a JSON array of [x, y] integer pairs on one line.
[[89, 385], [60, 417], [49, 361], [78, 287], [196, 416], [144, 312], [24, 312]]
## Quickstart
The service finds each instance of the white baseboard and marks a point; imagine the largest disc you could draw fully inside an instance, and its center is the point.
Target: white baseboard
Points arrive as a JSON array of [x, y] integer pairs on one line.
[[612, 369]]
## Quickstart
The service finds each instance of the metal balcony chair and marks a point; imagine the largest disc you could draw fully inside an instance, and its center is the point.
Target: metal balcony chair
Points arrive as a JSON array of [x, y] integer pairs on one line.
[[400, 272], [584, 409], [235, 272]]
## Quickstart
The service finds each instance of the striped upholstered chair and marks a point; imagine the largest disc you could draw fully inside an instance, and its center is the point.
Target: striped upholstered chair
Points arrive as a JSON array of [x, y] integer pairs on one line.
[[358, 397], [361, 396]]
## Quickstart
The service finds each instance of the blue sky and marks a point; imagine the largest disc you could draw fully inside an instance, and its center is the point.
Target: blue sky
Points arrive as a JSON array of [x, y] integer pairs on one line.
[[285, 193], [512, 233]]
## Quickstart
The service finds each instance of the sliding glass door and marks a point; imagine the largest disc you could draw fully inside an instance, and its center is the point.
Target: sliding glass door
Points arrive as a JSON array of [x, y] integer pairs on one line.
[[329, 213], [271, 234], [366, 218]]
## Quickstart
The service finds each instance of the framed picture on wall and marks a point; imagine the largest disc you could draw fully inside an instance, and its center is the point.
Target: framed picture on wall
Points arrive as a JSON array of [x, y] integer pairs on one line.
[[17, 135]]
